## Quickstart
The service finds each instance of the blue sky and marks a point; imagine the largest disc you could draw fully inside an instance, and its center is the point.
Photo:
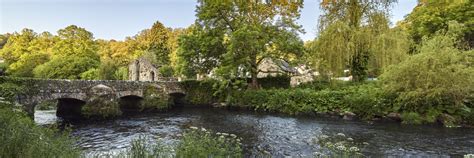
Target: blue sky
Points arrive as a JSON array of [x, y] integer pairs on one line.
[[117, 19]]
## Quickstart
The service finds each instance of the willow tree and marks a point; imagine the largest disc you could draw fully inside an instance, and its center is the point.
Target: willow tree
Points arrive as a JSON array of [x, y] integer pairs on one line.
[[249, 31], [355, 35]]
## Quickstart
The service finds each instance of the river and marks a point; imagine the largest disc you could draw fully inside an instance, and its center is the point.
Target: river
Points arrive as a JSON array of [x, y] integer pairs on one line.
[[281, 135]]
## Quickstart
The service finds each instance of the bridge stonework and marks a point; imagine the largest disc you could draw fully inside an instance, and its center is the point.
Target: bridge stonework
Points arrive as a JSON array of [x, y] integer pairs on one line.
[[39, 90]]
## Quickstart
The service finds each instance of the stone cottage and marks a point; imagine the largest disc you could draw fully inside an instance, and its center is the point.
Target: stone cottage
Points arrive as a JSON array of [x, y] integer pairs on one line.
[[274, 67], [142, 69]]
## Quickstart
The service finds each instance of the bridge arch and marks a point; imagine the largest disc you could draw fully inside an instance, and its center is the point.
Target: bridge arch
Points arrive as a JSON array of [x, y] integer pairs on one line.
[[130, 103], [69, 108]]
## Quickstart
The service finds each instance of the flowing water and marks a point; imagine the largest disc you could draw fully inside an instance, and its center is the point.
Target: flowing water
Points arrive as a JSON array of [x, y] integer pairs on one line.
[[281, 135]]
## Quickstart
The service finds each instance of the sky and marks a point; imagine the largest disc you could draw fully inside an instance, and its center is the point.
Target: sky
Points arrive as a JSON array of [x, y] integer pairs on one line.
[[117, 19]]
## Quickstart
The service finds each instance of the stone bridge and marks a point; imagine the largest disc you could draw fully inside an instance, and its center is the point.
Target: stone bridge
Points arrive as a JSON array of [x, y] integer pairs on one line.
[[72, 95]]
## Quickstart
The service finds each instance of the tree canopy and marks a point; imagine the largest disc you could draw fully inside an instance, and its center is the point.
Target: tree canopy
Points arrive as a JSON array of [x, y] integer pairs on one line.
[[355, 35], [235, 36]]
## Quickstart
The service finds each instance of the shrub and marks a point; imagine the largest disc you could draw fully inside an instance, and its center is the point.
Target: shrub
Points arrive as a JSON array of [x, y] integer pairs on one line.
[[21, 137], [282, 81], [199, 92], [166, 71], [324, 84], [121, 73], [91, 74], [439, 77], [291, 101], [366, 100]]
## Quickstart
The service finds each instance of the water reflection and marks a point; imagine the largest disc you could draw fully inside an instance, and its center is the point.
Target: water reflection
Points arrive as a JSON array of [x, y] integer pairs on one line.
[[277, 134]]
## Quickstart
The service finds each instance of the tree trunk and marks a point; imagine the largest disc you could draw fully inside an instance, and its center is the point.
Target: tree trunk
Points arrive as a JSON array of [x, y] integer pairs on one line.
[[254, 73]]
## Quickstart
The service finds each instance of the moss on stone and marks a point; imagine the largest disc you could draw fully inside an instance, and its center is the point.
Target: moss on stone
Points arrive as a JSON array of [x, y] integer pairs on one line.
[[100, 107], [155, 99]]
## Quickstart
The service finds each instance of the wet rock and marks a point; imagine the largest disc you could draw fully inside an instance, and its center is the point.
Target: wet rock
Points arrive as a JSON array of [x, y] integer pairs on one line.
[[219, 105], [349, 116], [394, 116]]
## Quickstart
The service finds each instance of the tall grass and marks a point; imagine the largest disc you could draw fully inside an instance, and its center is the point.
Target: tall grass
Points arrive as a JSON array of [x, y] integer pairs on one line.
[[21, 137]]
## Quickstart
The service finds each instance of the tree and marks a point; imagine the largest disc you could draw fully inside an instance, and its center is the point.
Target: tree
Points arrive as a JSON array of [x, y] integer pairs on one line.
[[346, 36], [155, 40], [75, 52], [17, 45], [431, 16], [246, 31], [200, 51], [4, 39], [26, 50]]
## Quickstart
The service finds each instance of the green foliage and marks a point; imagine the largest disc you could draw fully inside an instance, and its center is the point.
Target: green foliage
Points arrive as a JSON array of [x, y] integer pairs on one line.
[[3, 68], [75, 52], [199, 92], [355, 35], [121, 73], [166, 71], [107, 69], [319, 84], [203, 143], [275, 82], [411, 118], [25, 50], [155, 41], [195, 142], [233, 37], [70, 67], [47, 105], [21, 137], [439, 77], [293, 101], [9, 90], [101, 108], [91, 74], [430, 17], [366, 100], [199, 51], [154, 99]]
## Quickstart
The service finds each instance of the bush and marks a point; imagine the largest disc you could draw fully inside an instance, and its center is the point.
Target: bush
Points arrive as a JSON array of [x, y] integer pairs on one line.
[[292, 101], [21, 137], [199, 92], [282, 81], [8, 90], [367, 100], [121, 73], [324, 84], [91, 74], [439, 78], [166, 71]]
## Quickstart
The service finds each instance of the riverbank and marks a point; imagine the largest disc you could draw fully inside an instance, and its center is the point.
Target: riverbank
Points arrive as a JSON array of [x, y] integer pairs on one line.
[[368, 101]]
